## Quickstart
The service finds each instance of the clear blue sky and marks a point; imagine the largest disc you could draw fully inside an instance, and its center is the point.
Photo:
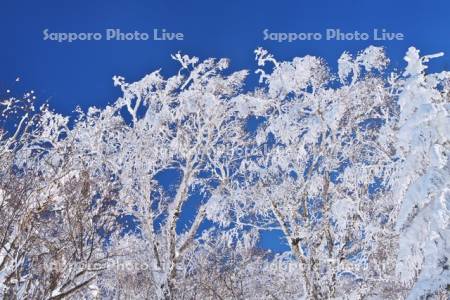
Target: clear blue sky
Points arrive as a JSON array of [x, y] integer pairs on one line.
[[79, 73]]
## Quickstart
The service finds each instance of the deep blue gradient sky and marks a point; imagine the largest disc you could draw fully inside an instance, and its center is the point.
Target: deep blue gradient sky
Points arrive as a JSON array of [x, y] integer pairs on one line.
[[79, 73]]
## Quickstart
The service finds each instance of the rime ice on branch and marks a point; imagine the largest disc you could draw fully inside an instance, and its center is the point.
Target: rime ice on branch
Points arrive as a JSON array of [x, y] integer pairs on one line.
[[351, 169]]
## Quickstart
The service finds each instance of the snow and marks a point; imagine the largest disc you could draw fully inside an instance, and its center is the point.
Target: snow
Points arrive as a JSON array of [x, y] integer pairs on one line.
[[370, 201]]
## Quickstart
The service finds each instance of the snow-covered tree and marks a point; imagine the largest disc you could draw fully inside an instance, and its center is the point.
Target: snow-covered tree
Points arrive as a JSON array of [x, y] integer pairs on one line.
[[323, 152], [351, 168], [51, 229], [422, 179], [188, 125]]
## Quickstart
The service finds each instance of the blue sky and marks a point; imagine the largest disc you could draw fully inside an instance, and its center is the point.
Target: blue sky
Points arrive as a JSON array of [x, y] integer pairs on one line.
[[79, 73]]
